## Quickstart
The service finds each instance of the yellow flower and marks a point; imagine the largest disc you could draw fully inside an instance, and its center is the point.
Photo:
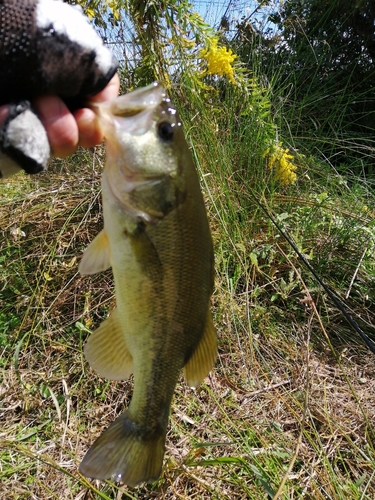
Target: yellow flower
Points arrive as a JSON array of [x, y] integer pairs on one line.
[[219, 60], [368, 211], [90, 13], [279, 160]]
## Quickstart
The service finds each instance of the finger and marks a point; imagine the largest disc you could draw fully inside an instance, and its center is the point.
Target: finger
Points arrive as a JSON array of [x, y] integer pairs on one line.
[[60, 124], [89, 130], [110, 92]]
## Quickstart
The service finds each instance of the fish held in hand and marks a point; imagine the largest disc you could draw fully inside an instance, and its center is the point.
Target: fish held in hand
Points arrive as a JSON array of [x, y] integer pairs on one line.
[[157, 240]]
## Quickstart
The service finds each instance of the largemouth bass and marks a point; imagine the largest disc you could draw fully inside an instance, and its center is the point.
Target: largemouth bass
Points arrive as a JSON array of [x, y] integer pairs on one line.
[[157, 240]]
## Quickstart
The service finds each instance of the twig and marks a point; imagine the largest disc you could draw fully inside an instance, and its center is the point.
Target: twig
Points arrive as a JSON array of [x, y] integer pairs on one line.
[[356, 272], [268, 388], [68, 402]]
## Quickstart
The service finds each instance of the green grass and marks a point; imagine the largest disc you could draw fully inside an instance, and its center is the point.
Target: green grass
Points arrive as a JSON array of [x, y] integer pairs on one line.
[[287, 411], [290, 401]]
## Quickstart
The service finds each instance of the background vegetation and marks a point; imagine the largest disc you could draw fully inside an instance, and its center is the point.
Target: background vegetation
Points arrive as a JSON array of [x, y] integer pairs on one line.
[[288, 411]]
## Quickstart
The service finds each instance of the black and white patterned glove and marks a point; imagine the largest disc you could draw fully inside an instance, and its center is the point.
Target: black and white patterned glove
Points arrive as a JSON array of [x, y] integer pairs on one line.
[[47, 47]]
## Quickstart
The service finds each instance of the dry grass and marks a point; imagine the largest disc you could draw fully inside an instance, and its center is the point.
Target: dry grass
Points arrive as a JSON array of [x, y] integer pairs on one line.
[[278, 410]]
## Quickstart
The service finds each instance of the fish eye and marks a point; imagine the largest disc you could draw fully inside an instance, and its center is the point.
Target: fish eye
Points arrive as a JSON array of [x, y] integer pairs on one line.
[[166, 131]]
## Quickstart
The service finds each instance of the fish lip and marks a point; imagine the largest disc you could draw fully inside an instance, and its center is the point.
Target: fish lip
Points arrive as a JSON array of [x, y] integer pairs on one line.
[[127, 106], [138, 100], [131, 113]]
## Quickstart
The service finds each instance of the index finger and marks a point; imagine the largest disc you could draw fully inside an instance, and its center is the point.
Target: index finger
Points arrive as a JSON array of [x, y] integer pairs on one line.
[[109, 92], [90, 133]]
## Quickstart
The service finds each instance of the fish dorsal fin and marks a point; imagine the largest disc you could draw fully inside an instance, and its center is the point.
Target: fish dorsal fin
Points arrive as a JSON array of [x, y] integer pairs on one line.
[[204, 356], [96, 257], [107, 352]]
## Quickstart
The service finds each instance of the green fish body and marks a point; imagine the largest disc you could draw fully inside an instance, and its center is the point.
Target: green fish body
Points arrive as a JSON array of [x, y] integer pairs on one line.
[[157, 240]]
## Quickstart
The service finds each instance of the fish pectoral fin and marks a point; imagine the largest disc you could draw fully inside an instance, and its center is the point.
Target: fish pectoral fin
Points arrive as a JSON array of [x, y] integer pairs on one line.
[[204, 356], [107, 352], [96, 257], [122, 452]]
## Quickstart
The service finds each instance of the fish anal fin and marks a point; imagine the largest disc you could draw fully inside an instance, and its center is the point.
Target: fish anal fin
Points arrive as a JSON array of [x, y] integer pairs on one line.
[[122, 452], [204, 356], [107, 352], [96, 257]]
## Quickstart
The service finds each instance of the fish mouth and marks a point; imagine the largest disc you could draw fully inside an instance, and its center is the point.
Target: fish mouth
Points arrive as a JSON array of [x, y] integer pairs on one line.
[[137, 100], [119, 113], [132, 114]]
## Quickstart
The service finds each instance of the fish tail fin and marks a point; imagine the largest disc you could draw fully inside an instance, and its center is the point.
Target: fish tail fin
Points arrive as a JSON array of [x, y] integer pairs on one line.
[[123, 453]]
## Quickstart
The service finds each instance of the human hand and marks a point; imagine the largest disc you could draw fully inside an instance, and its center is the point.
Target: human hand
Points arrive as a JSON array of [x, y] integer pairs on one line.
[[66, 130], [63, 130], [68, 64]]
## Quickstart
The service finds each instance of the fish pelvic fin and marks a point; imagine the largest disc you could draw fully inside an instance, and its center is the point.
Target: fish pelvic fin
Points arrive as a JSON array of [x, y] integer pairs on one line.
[[204, 356], [107, 352], [125, 454], [96, 257]]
